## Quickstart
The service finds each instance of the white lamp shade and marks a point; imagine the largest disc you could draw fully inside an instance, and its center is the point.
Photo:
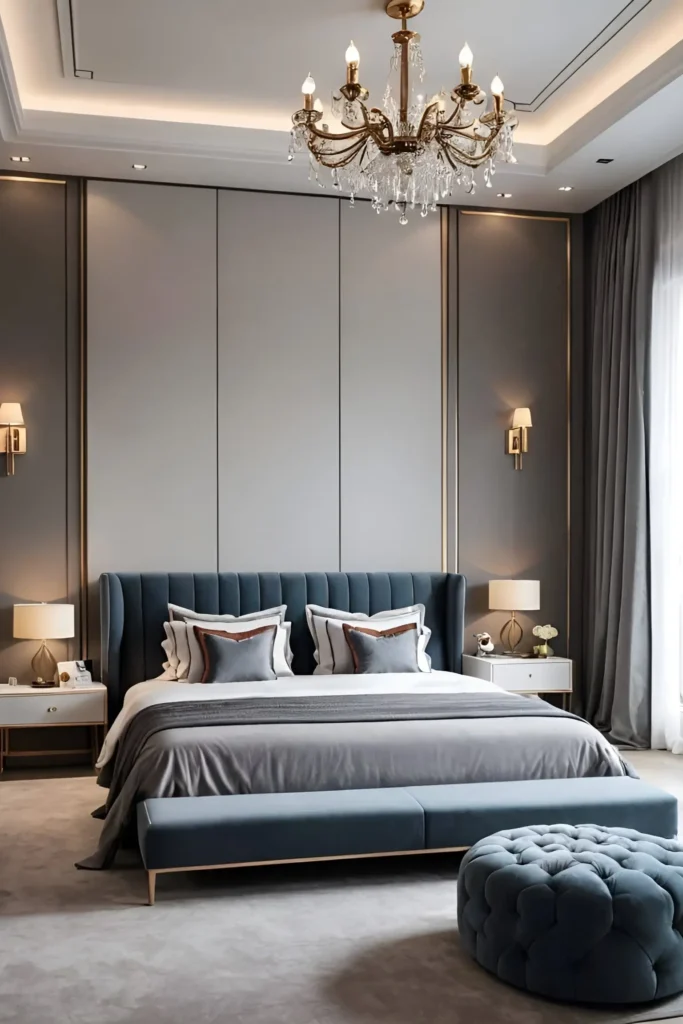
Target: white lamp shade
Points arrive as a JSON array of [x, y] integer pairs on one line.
[[514, 595], [11, 414], [43, 621], [521, 418]]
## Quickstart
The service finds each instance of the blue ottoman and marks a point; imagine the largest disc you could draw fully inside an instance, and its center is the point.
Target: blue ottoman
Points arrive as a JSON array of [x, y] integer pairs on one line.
[[579, 914]]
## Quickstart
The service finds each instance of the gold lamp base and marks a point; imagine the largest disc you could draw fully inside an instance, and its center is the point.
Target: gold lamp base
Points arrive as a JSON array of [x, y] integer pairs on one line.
[[44, 664], [511, 635]]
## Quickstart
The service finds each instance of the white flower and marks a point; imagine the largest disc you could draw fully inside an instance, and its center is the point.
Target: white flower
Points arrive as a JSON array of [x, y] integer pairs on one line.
[[545, 632]]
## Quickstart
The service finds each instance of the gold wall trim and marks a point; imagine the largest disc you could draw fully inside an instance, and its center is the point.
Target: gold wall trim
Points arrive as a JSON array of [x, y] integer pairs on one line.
[[40, 181], [444, 387], [566, 220], [83, 439], [518, 216]]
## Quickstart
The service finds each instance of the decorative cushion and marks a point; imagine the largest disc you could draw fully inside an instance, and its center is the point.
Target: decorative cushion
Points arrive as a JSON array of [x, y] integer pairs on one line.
[[237, 657], [576, 913], [185, 655], [332, 653], [388, 650]]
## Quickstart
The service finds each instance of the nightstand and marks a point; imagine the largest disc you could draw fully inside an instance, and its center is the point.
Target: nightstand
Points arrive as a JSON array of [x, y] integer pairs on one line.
[[523, 675], [24, 707]]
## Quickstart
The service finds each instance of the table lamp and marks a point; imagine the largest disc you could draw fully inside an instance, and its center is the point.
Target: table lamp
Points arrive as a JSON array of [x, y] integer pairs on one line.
[[513, 596], [43, 622]]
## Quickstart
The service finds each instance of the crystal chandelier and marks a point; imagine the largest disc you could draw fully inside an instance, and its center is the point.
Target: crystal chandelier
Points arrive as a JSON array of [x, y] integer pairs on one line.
[[412, 152]]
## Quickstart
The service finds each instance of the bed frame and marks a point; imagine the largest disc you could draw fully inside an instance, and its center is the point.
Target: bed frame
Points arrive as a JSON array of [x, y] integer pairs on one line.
[[133, 609]]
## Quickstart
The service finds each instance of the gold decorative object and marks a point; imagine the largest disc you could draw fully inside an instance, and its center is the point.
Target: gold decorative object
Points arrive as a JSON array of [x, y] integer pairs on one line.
[[411, 152], [517, 439], [544, 633], [513, 596], [14, 431]]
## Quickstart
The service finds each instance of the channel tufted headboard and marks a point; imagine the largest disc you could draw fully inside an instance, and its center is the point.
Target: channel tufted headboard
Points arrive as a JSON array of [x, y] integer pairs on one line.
[[134, 608]]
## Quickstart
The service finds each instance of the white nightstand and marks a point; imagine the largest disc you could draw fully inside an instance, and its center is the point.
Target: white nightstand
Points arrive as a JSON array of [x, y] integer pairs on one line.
[[24, 707], [523, 675]]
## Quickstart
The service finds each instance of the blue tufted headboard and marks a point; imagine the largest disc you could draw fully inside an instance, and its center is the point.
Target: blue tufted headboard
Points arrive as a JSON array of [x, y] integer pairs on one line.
[[134, 608]]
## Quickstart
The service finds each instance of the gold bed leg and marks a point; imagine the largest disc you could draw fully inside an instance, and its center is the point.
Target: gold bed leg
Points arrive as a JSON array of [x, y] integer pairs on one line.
[[151, 886]]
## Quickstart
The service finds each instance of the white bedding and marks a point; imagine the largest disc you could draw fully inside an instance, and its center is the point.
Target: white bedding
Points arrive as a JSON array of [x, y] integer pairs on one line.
[[157, 691]]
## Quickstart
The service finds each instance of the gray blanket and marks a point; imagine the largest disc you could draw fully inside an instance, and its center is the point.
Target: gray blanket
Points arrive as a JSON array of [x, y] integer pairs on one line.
[[205, 748]]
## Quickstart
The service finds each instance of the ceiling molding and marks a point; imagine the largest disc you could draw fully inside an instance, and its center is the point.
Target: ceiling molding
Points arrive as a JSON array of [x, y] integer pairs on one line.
[[11, 110], [67, 41], [611, 30]]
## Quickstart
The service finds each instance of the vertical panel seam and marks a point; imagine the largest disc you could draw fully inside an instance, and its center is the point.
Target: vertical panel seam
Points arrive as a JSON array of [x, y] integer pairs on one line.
[[339, 386], [218, 476]]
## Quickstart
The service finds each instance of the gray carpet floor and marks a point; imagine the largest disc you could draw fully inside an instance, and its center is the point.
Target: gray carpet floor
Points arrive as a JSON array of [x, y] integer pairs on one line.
[[367, 943]]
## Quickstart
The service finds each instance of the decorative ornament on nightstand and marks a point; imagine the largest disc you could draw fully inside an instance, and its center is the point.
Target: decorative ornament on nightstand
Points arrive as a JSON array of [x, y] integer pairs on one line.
[[544, 633], [485, 646]]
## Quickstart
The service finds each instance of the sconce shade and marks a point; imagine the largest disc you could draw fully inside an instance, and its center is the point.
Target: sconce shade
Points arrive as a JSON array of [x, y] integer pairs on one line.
[[43, 621], [521, 418], [11, 414], [514, 595]]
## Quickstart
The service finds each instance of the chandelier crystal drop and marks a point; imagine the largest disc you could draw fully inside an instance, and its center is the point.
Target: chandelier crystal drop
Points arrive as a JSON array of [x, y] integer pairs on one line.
[[413, 151]]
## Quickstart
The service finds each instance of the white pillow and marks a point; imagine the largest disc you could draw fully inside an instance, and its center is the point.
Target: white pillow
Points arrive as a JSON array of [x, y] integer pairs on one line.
[[176, 612], [186, 655], [332, 652]]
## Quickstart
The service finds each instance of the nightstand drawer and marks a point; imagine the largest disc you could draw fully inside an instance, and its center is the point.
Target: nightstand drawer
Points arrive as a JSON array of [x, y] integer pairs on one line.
[[55, 707], [528, 674]]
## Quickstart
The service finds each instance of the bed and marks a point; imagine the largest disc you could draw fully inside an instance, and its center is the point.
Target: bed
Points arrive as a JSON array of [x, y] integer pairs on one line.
[[313, 732]]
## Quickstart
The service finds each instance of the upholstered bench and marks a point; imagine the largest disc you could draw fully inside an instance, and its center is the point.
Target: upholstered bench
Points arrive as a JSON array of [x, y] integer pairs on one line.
[[193, 833], [585, 914]]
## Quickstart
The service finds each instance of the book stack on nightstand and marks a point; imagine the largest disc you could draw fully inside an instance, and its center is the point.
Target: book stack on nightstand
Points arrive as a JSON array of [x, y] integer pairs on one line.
[[539, 676], [23, 707]]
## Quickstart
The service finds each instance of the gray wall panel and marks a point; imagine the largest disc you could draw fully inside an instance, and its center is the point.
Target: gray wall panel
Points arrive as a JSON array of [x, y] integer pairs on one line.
[[151, 265], [512, 340], [391, 422], [278, 382], [36, 370]]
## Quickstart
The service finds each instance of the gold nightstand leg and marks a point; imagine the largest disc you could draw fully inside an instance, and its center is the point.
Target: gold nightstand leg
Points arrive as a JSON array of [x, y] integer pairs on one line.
[[3, 741]]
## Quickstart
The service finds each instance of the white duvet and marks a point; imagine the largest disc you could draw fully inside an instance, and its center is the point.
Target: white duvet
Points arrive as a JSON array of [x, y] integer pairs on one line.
[[159, 691]]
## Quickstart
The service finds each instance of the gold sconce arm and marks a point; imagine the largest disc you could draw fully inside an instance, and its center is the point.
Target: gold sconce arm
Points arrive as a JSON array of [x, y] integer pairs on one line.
[[517, 437]]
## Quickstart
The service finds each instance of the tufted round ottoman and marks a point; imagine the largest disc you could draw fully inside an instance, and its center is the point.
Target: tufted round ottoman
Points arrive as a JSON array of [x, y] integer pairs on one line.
[[580, 914]]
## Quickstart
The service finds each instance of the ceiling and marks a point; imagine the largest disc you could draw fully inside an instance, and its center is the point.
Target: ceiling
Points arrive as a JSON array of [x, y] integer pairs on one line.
[[202, 91]]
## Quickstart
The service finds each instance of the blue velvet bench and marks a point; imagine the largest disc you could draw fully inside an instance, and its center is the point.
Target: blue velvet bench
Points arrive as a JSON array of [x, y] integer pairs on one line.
[[200, 833]]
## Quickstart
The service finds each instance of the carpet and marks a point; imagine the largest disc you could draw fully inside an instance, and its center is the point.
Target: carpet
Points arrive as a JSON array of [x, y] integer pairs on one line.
[[371, 942]]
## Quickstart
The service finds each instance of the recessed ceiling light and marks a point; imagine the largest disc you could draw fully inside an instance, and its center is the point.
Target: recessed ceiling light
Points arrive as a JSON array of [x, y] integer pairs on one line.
[[139, 167], [566, 188], [505, 195], [605, 160], [20, 159]]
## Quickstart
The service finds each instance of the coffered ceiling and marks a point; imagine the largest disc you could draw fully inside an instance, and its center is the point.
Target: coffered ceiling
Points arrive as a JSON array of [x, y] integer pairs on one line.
[[202, 90]]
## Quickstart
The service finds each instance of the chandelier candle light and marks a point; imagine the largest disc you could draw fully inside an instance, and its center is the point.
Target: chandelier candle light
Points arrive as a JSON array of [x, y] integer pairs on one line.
[[412, 152]]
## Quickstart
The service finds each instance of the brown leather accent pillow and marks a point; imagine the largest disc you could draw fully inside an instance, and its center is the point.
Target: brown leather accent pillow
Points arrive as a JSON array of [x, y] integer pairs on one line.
[[200, 633], [392, 631]]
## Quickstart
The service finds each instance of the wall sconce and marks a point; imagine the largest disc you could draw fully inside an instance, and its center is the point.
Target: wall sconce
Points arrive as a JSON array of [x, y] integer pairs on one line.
[[12, 433], [516, 439]]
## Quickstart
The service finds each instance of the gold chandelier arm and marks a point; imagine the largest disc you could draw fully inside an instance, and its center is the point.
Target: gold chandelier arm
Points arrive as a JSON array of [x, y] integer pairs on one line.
[[456, 156], [335, 136], [339, 158], [454, 132]]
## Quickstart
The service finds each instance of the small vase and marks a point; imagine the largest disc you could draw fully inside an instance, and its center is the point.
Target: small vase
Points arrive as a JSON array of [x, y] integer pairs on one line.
[[543, 651]]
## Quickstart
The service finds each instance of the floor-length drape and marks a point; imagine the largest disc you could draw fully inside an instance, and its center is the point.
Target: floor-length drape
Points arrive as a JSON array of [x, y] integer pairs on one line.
[[616, 572], [666, 458]]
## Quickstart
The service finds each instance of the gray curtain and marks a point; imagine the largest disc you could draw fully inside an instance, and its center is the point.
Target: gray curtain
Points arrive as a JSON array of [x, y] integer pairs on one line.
[[617, 641]]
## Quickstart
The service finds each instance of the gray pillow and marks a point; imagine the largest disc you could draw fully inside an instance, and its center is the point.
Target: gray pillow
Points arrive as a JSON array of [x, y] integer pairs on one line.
[[390, 650], [237, 657]]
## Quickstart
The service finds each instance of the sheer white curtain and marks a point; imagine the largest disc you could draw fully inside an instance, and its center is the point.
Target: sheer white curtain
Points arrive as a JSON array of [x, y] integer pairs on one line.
[[666, 462]]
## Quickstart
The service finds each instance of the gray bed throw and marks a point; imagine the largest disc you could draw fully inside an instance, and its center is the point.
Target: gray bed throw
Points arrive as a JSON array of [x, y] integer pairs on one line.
[[124, 788]]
